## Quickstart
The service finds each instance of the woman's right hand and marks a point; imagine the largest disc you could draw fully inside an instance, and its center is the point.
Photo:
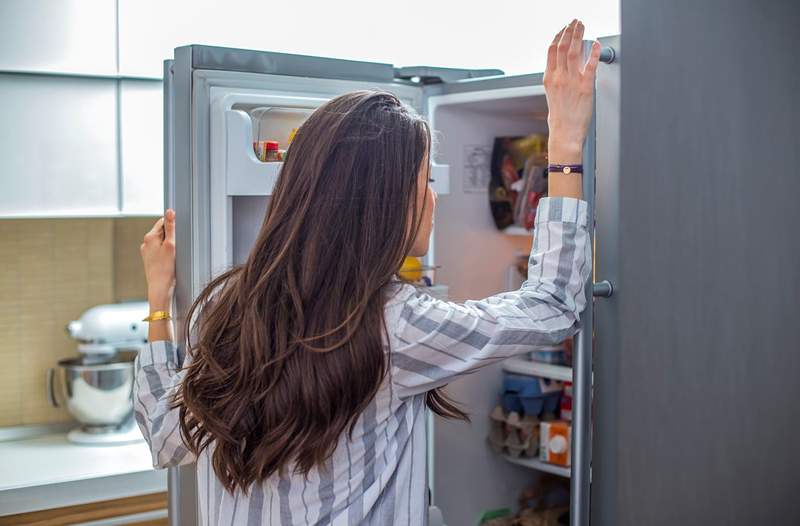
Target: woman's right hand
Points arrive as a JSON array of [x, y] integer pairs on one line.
[[569, 86]]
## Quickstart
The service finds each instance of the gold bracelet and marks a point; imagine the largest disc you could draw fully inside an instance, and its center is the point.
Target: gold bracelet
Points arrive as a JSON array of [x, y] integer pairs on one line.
[[158, 315]]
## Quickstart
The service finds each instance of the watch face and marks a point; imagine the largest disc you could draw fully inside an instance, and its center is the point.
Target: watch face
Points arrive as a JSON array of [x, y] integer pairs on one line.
[[567, 169]]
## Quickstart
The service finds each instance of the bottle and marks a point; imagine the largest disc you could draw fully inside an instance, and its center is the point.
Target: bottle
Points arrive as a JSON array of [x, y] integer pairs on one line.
[[271, 151]]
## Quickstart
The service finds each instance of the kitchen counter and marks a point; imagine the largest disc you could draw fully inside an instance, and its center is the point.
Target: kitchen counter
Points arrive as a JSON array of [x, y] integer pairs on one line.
[[44, 472]]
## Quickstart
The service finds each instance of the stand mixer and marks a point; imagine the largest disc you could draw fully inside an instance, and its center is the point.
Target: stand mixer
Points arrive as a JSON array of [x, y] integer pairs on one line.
[[97, 385]]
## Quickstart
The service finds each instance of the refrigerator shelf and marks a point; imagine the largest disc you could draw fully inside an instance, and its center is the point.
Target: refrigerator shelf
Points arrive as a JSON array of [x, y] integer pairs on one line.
[[535, 463], [543, 370], [247, 175], [517, 231]]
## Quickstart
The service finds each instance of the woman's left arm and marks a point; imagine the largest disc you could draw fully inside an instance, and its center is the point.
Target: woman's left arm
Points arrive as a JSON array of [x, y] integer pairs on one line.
[[158, 370], [158, 256]]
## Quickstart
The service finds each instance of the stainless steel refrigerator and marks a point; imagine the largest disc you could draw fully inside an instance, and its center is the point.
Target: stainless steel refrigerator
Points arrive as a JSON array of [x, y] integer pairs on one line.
[[217, 100]]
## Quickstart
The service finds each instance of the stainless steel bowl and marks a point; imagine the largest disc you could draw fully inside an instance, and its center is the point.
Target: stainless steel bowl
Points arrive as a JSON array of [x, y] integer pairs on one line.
[[99, 395]]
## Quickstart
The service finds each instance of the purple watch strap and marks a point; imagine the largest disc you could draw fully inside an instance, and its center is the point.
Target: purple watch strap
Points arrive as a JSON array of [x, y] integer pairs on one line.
[[565, 168]]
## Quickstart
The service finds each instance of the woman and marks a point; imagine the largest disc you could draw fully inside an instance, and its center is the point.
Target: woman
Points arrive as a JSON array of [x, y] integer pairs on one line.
[[311, 366]]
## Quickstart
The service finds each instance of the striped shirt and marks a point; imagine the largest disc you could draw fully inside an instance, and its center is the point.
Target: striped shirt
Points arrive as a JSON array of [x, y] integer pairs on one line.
[[379, 475]]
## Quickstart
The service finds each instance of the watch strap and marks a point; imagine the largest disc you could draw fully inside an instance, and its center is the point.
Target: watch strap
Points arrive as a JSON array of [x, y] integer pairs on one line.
[[565, 168]]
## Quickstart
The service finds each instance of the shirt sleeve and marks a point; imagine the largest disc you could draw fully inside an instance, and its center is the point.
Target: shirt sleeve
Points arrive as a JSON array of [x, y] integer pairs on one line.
[[438, 341], [158, 375]]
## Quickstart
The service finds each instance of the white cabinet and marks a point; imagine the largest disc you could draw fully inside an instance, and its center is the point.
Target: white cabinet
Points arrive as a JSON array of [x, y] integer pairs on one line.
[[142, 146], [66, 36], [58, 148], [149, 30]]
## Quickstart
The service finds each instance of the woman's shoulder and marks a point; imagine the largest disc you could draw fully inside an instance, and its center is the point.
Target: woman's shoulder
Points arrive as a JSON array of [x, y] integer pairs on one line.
[[398, 292]]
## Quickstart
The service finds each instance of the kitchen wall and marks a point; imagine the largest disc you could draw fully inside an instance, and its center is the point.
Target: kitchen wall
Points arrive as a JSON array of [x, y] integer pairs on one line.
[[52, 270]]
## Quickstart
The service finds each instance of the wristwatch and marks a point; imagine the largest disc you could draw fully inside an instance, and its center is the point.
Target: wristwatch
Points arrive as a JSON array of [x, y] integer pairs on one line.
[[565, 168]]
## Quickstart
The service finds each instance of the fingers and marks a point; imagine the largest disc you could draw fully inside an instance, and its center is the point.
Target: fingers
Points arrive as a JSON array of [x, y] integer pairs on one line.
[[563, 46], [155, 232], [590, 68], [163, 229], [575, 52], [169, 226], [552, 52]]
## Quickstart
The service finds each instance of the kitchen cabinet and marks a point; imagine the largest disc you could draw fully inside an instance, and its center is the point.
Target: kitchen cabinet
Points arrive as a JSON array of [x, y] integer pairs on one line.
[[141, 151], [68, 36], [69, 150], [129, 510], [58, 153], [149, 30]]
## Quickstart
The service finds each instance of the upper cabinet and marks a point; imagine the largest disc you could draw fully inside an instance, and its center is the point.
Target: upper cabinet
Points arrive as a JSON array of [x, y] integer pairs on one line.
[[58, 153], [150, 30], [142, 147], [64, 36]]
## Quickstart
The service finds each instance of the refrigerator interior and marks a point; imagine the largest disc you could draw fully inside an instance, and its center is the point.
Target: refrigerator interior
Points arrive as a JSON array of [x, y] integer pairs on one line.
[[475, 259]]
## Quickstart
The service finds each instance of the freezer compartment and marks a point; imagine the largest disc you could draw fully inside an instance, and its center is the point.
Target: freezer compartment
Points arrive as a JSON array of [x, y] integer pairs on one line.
[[250, 120]]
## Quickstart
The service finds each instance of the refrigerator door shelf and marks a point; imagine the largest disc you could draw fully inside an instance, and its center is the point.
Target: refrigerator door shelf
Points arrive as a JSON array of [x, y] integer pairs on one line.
[[244, 173], [232, 130]]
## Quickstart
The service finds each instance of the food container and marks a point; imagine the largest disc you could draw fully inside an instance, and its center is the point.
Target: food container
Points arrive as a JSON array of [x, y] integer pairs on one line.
[[554, 354], [554, 442], [530, 395]]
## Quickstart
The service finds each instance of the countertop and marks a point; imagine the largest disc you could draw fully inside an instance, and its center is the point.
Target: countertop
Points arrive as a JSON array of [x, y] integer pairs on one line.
[[48, 471]]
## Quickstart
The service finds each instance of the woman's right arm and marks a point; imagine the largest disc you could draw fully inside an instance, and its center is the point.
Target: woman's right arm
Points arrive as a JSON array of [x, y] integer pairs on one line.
[[437, 341]]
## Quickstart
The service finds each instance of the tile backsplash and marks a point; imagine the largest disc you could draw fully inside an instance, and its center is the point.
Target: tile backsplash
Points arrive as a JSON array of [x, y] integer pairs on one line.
[[52, 271]]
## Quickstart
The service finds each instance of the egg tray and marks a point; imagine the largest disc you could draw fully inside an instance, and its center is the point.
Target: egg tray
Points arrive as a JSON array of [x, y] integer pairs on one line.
[[516, 435]]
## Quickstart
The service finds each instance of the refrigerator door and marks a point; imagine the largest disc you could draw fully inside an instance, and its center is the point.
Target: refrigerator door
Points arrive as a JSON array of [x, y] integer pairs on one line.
[[606, 266], [698, 398]]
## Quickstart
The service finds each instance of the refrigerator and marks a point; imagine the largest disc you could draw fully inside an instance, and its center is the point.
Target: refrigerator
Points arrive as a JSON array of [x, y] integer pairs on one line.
[[220, 191]]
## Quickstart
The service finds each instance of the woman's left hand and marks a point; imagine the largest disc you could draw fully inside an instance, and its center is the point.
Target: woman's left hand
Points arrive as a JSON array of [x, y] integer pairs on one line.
[[158, 256]]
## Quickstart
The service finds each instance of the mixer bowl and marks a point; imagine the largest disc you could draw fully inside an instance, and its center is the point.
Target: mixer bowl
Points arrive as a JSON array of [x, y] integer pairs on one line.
[[98, 395]]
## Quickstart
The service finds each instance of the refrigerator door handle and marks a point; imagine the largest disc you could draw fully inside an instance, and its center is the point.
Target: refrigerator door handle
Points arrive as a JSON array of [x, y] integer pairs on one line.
[[608, 55], [602, 289]]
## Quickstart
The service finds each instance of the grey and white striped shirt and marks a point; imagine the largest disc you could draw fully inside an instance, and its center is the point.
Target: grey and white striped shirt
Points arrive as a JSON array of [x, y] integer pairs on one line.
[[379, 476]]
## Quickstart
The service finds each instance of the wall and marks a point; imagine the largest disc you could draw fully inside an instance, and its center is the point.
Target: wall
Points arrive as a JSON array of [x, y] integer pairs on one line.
[[52, 271]]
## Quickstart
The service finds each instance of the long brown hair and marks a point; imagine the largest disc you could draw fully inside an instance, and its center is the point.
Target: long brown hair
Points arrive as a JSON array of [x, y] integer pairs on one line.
[[290, 344]]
